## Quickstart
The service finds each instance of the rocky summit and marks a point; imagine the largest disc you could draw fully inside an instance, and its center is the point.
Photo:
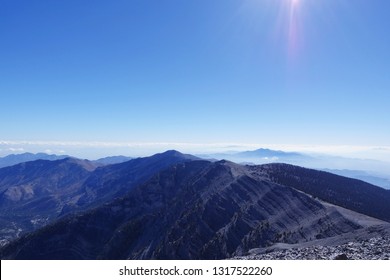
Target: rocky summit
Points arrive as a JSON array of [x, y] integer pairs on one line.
[[376, 247]]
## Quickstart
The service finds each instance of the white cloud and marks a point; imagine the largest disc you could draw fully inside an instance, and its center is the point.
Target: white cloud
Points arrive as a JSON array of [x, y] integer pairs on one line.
[[270, 158], [15, 149]]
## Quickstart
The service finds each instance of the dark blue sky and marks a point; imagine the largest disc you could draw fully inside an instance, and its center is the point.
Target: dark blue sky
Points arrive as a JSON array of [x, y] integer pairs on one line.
[[303, 72]]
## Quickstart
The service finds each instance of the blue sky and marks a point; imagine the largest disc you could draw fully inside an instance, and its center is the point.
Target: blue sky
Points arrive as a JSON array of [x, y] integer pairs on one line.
[[258, 72]]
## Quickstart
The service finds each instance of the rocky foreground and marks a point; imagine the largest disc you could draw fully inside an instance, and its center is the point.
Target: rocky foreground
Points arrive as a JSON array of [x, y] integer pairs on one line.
[[376, 248]]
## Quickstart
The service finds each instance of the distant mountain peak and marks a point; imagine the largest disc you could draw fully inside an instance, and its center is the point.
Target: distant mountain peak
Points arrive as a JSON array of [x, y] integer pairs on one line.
[[175, 153], [172, 153], [260, 156], [264, 152]]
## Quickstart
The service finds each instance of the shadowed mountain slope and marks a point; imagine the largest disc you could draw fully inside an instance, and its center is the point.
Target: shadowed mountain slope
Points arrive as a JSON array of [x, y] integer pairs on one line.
[[115, 180], [113, 160], [34, 193]]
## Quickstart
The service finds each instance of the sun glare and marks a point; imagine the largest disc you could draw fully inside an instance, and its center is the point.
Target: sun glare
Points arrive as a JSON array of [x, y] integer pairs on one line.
[[293, 28], [286, 25], [294, 2]]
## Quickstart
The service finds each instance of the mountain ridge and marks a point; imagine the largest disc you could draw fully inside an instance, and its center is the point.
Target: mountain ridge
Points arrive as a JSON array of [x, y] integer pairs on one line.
[[191, 210], [176, 206]]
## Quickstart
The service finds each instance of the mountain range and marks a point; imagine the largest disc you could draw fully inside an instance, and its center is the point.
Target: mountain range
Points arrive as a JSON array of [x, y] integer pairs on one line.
[[176, 206], [372, 171], [337, 165], [13, 159]]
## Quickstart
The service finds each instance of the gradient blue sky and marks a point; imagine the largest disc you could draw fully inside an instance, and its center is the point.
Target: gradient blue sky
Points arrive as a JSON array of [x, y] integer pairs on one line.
[[303, 72]]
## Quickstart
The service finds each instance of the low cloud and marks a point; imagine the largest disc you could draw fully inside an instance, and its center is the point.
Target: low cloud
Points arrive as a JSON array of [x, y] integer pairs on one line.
[[15, 150], [92, 149], [381, 149]]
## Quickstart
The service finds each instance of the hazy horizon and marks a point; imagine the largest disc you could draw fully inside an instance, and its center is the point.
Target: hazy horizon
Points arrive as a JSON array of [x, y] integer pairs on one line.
[[368, 159], [97, 149]]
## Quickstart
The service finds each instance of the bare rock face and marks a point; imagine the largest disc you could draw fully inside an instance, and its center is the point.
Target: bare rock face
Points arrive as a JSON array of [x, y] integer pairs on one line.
[[349, 193], [192, 210], [370, 243], [371, 249], [377, 248]]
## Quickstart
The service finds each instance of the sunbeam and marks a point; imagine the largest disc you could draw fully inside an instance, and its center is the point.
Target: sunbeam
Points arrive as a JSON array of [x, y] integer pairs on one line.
[[294, 30]]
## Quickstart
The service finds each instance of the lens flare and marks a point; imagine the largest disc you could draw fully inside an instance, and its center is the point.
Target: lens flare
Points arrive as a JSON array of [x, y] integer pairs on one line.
[[283, 20], [293, 29]]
